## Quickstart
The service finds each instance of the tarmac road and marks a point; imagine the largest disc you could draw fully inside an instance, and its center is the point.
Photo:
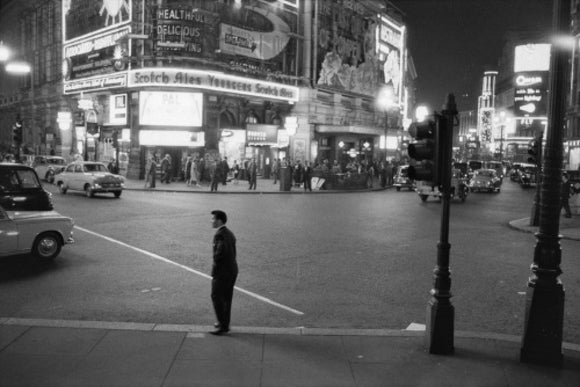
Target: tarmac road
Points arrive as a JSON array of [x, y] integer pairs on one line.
[[358, 260]]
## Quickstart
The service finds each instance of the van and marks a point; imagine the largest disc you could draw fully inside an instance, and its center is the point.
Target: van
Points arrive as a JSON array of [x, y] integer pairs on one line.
[[21, 189]]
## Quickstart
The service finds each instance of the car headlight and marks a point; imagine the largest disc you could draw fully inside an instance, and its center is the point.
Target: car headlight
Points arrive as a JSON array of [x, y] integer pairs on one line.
[[97, 185]]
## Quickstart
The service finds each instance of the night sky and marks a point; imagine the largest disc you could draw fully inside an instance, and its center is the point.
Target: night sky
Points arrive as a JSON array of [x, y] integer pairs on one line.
[[453, 42]]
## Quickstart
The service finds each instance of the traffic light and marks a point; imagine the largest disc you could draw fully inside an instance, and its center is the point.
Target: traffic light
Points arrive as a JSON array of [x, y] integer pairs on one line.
[[428, 149], [535, 151], [17, 131]]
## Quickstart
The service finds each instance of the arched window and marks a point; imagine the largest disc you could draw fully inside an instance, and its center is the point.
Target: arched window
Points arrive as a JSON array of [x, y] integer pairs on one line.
[[252, 118], [227, 119]]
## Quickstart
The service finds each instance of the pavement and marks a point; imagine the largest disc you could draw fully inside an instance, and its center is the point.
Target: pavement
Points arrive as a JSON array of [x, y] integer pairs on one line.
[[93, 353], [36, 352]]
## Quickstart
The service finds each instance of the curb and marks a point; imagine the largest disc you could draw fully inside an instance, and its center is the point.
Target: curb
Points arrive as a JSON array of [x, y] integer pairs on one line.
[[252, 192], [522, 225], [195, 330]]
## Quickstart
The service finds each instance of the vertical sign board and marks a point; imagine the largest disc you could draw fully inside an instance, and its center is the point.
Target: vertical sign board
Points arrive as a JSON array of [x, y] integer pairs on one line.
[[391, 53], [118, 109], [531, 72]]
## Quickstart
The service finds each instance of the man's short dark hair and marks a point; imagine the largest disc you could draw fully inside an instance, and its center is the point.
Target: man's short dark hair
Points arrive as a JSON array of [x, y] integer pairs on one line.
[[220, 215]]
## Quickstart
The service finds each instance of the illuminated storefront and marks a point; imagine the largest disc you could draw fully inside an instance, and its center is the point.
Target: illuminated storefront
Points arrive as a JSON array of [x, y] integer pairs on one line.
[[220, 72], [359, 54]]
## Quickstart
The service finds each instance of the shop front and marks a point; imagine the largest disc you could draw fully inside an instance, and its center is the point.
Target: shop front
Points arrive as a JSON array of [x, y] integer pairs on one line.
[[347, 144]]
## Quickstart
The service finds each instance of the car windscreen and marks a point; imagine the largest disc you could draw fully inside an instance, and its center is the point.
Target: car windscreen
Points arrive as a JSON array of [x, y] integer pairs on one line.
[[56, 161]]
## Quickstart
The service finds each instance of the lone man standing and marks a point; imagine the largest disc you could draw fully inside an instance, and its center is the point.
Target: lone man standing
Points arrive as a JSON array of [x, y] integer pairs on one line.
[[224, 272]]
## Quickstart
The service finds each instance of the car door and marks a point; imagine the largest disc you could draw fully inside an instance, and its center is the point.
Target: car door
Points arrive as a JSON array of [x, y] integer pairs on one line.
[[8, 234], [78, 177]]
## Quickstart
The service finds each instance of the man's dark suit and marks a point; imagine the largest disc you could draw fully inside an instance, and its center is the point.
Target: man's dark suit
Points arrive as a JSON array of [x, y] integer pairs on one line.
[[224, 273]]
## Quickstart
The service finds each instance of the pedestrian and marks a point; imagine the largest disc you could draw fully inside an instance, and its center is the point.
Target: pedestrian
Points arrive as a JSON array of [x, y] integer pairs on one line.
[[298, 174], [152, 173], [225, 170], [215, 169], [389, 173], [166, 169], [306, 176], [276, 165], [187, 170], [224, 272], [236, 169], [565, 193], [195, 175], [252, 174]]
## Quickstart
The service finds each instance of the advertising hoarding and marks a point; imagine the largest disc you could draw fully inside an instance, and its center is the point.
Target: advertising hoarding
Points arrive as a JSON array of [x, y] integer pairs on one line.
[[81, 18], [101, 54]]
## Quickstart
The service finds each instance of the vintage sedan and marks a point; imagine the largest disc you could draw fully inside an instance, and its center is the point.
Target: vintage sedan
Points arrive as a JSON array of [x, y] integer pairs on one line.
[[47, 167], [91, 177], [486, 180], [40, 233]]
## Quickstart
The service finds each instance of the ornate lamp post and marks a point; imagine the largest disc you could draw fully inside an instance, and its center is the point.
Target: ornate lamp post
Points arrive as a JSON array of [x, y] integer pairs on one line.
[[544, 315]]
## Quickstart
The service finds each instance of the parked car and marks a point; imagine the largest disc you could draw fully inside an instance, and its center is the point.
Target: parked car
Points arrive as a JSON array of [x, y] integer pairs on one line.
[[402, 179], [485, 180], [48, 166], [21, 189], [91, 177], [40, 233]]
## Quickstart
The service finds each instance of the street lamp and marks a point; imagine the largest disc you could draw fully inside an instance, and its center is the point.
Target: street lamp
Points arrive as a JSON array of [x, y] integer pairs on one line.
[[19, 67]]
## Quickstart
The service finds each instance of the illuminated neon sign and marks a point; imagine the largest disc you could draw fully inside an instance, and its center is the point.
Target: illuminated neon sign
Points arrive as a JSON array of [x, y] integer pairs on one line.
[[214, 81]]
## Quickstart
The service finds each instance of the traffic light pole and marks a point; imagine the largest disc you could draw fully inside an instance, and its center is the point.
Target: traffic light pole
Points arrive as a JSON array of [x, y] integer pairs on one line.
[[440, 311]]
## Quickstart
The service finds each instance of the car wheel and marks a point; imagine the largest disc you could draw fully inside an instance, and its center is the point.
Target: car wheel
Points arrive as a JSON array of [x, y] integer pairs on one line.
[[47, 246], [61, 187], [423, 197], [118, 194], [88, 191], [398, 189]]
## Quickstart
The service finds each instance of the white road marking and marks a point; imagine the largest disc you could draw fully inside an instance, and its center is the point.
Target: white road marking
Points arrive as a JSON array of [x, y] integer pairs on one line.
[[163, 259]]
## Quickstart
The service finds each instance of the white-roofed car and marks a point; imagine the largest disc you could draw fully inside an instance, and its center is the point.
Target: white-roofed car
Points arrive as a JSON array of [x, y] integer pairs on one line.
[[40, 233], [91, 177], [47, 167]]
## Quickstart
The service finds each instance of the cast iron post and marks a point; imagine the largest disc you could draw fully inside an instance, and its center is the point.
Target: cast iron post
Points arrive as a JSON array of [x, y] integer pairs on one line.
[[440, 311], [535, 218], [542, 339]]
